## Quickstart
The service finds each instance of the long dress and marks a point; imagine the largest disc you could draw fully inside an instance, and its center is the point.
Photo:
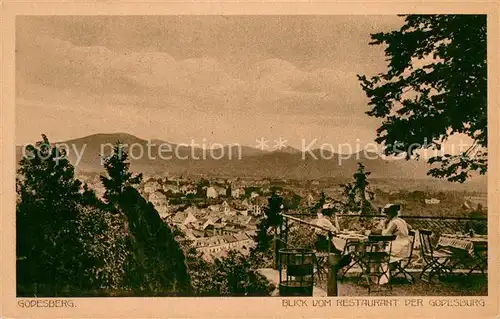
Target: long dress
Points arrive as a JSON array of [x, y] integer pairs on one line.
[[400, 245]]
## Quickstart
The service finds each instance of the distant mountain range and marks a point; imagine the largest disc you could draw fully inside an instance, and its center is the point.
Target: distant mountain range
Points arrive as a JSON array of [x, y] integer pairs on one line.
[[285, 163]]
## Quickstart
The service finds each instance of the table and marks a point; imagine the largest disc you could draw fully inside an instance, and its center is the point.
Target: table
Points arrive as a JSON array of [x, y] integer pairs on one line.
[[342, 240], [350, 242], [469, 252], [461, 242], [370, 255]]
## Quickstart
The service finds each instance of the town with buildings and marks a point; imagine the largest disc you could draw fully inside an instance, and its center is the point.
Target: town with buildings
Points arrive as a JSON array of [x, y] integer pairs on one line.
[[217, 216]]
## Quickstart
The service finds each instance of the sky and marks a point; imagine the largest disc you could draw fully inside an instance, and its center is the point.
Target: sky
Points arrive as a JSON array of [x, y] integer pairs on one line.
[[218, 79]]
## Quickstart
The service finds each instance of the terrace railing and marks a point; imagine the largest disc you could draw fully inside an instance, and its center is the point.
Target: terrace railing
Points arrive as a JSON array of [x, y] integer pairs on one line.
[[297, 230]]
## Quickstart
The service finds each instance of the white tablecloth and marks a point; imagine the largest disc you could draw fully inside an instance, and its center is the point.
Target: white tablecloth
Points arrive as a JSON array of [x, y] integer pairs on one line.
[[460, 242], [340, 240]]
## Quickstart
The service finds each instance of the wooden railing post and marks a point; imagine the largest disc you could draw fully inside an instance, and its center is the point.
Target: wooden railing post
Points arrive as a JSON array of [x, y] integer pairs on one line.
[[276, 250], [332, 289], [278, 242], [332, 262]]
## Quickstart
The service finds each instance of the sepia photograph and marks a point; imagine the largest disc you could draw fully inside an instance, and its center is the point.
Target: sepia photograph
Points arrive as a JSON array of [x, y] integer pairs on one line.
[[244, 161], [251, 156]]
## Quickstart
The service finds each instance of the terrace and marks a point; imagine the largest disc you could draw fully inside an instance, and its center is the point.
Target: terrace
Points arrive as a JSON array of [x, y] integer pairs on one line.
[[463, 278]]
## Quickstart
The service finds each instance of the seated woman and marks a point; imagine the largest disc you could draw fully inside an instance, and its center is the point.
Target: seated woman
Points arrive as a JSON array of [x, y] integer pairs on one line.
[[395, 225], [322, 240]]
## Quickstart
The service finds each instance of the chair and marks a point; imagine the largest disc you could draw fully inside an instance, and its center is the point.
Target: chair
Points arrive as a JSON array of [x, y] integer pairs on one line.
[[481, 258], [321, 258], [436, 261], [355, 250], [400, 265], [374, 260], [321, 254], [321, 261]]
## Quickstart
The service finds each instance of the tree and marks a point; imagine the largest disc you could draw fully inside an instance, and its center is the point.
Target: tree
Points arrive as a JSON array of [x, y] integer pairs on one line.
[[262, 238], [68, 244], [435, 86], [106, 248], [231, 275], [292, 202], [200, 271], [348, 192], [234, 276], [355, 193], [268, 226], [46, 213], [228, 190], [157, 263], [201, 188], [89, 198], [319, 204], [119, 176]]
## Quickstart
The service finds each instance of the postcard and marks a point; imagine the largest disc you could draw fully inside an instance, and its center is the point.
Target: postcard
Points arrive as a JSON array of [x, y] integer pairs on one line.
[[249, 160]]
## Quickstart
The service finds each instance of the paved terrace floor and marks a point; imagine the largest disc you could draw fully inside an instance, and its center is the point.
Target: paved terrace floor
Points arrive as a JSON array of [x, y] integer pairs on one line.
[[458, 285]]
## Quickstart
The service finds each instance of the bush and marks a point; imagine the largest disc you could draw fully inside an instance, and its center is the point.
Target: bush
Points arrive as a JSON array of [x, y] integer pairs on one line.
[[106, 247], [233, 276], [157, 263], [48, 252]]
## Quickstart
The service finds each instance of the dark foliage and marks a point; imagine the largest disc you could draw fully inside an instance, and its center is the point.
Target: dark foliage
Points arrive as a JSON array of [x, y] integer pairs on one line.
[[355, 193], [292, 202], [268, 226], [70, 243], [319, 204], [65, 242], [157, 264], [119, 177], [46, 217], [232, 275], [435, 86]]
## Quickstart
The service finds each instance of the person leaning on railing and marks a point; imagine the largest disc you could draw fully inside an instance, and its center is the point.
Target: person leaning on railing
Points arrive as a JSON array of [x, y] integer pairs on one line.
[[323, 242]]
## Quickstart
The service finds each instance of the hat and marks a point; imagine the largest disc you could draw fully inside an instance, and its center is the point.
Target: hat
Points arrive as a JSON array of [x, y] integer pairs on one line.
[[392, 208]]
